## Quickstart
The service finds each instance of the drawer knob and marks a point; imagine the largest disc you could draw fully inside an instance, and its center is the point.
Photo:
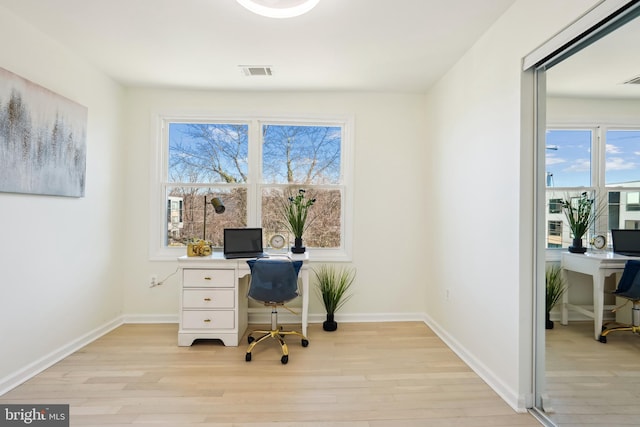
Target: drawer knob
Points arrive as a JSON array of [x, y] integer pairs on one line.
[[207, 278], [207, 320], [207, 299]]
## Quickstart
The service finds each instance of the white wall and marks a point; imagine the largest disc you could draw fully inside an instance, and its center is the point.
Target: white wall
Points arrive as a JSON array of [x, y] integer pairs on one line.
[[60, 258], [586, 111], [389, 194], [480, 293]]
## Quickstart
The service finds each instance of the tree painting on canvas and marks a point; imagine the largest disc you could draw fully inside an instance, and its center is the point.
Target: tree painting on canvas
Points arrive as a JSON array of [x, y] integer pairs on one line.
[[42, 140]]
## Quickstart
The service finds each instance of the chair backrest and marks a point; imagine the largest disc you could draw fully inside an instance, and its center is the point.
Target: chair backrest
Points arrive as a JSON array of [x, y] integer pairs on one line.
[[629, 284], [273, 280]]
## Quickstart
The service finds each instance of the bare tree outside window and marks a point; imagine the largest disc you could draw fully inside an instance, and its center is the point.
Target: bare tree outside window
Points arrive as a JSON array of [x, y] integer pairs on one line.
[[212, 160], [200, 156], [303, 157]]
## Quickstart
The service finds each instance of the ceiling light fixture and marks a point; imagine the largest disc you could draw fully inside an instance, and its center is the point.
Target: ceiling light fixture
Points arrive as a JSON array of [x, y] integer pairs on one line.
[[279, 8]]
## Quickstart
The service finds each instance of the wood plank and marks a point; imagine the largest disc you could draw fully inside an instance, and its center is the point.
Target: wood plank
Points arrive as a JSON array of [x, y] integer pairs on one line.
[[590, 383], [365, 374]]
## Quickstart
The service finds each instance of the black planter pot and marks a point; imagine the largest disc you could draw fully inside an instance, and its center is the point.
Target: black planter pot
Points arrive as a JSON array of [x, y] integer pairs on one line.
[[329, 325], [576, 247], [548, 322], [297, 247]]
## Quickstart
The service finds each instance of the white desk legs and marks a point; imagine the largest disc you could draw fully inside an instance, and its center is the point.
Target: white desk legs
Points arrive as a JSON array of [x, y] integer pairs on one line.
[[599, 266], [305, 300], [598, 303]]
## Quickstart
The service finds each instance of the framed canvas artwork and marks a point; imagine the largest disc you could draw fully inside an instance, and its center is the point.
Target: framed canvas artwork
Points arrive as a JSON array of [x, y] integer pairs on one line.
[[42, 140]]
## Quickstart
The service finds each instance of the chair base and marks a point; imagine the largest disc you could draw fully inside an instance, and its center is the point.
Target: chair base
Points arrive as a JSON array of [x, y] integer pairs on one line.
[[615, 326], [606, 329], [277, 334]]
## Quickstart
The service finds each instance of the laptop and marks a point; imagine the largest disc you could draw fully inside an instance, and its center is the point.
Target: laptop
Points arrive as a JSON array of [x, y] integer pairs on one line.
[[626, 242], [243, 243]]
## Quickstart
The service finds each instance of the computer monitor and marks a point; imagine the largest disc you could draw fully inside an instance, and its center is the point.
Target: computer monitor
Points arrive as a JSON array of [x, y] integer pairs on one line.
[[243, 243], [626, 242]]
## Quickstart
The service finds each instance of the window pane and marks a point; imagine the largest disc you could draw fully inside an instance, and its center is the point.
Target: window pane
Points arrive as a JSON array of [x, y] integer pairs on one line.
[[301, 154], [568, 158], [554, 236], [555, 206], [323, 219], [186, 210], [208, 152], [624, 209], [622, 157]]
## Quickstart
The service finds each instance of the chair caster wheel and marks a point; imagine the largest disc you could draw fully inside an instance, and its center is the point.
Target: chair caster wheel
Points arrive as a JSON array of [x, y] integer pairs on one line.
[[247, 357], [250, 339], [305, 343], [284, 360], [602, 339]]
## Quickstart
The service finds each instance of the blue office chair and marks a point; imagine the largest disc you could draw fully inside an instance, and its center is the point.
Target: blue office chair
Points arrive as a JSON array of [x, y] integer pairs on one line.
[[274, 281], [628, 288]]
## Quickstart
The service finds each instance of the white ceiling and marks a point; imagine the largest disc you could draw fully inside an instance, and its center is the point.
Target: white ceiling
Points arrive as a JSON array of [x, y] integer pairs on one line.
[[373, 45], [599, 70]]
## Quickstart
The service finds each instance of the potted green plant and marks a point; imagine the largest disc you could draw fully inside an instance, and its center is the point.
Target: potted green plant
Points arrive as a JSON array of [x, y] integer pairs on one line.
[[555, 287], [295, 211], [332, 286], [581, 213]]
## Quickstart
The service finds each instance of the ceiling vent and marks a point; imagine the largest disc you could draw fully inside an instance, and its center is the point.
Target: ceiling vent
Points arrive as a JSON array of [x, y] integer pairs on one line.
[[633, 81], [256, 70]]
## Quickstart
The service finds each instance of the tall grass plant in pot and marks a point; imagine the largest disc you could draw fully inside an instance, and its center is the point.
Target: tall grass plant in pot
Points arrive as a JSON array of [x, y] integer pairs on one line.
[[333, 283], [295, 212], [555, 288], [581, 213]]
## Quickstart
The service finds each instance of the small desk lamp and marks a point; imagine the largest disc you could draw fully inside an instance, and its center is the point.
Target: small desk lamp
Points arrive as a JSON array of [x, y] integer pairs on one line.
[[218, 207]]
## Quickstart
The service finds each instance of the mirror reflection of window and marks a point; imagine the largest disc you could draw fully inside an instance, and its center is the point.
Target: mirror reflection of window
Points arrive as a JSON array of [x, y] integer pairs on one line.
[[568, 157], [622, 158]]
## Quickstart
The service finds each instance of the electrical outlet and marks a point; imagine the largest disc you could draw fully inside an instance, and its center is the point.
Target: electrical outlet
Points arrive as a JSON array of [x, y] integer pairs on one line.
[[154, 280]]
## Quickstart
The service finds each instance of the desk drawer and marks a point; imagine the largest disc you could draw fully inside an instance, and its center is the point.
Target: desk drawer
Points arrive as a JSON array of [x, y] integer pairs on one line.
[[208, 319], [208, 298], [213, 278]]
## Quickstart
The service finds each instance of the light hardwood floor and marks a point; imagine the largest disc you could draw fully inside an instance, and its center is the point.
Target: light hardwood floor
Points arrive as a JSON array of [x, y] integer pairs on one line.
[[590, 383], [364, 374]]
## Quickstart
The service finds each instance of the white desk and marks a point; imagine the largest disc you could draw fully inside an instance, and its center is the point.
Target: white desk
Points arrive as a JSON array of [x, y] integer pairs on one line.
[[598, 265], [213, 305]]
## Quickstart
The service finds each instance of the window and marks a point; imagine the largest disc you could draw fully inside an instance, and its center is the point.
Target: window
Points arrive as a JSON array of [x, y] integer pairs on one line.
[[554, 236], [555, 206], [568, 157], [604, 162], [633, 201], [252, 165], [622, 157]]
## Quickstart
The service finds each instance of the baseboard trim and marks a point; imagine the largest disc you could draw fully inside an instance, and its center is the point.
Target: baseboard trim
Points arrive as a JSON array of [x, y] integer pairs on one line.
[[11, 381], [151, 318], [260, 316], [516, 402]]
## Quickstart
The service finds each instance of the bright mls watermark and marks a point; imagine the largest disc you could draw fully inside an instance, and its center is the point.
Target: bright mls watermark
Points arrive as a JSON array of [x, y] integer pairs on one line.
[[34, 415]]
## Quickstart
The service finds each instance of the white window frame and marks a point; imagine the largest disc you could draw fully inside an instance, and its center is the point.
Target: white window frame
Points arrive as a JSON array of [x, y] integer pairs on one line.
[[159, 171], [598, 169]]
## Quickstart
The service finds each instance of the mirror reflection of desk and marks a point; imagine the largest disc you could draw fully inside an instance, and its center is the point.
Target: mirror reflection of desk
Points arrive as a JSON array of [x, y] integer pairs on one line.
[[213, 298], [598, 265]]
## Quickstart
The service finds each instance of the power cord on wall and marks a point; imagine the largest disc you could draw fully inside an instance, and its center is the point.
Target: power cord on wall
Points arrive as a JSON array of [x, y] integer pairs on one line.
[[161, 282]]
